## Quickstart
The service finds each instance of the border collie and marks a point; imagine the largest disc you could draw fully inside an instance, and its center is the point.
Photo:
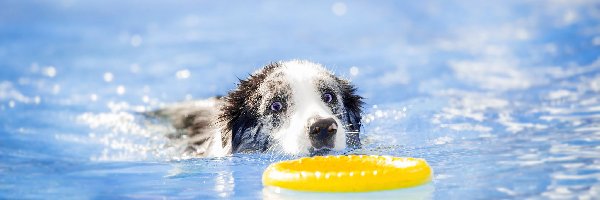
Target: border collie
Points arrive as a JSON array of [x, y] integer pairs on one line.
[[293, 107]]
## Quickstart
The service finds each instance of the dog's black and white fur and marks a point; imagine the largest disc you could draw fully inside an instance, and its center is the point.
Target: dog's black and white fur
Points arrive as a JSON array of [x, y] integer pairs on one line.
[[294, 107]]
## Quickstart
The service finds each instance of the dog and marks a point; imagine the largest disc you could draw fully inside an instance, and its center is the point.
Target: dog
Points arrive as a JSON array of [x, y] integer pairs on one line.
[[293, 107]]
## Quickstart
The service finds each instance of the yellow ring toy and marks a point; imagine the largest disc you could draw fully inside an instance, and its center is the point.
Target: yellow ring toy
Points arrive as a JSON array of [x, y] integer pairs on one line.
[[353, 173]]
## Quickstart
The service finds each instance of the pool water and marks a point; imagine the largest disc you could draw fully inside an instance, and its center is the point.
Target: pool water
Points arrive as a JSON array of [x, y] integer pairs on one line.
[[501, 98]]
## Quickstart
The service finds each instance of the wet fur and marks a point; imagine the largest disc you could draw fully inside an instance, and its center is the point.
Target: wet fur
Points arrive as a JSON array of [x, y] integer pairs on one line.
[[235, 117]]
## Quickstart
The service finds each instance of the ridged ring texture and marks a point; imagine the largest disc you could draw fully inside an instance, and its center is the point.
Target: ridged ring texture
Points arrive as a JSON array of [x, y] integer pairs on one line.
[[352, 173]]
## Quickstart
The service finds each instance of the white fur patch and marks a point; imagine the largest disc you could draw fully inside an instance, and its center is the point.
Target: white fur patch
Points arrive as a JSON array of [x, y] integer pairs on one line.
[[216, 149], [306, 98]]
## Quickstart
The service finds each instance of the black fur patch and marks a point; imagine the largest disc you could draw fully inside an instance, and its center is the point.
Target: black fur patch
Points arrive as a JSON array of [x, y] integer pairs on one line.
[[239, 111], [354, 105]]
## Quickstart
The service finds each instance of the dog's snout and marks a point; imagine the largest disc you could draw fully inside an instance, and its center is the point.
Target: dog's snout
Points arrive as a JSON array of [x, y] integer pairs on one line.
[[322, 132], [323, 127]]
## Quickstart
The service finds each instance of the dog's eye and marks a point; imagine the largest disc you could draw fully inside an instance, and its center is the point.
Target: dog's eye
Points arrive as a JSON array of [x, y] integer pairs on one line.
[[328, 97], [276, 106]]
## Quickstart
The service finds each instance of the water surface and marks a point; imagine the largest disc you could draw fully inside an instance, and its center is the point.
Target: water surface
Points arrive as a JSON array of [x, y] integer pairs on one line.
[[501, 98]]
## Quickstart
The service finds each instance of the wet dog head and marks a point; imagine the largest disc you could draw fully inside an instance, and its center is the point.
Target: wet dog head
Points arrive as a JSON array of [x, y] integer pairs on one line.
[[296, 107]]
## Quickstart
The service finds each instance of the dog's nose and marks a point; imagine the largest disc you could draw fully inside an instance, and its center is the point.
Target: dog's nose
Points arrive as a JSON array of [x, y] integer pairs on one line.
[[322, 132]]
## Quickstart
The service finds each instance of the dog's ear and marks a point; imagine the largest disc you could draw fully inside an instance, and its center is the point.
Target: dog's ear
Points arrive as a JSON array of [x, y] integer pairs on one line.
[[239, 111], [354, 105]]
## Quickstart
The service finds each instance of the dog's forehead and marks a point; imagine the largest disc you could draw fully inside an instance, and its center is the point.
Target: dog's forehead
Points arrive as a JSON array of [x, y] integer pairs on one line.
[[300, 73]]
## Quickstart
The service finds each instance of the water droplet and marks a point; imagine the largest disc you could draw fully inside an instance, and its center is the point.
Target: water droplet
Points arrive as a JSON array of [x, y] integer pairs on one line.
[[183, 74], [56, 89], [339, 8], [93, 97], [145, 99], [108, 77], [569, 17], [50, 71], [34, 68], [354, 71], [121, 90], [136, 40]]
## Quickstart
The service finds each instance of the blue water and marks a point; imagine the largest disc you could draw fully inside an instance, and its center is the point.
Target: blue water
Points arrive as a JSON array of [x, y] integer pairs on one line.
[[501, 98]]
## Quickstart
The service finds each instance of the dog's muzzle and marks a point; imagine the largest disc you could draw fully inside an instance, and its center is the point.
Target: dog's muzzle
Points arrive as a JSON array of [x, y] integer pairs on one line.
[[321, 132]]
